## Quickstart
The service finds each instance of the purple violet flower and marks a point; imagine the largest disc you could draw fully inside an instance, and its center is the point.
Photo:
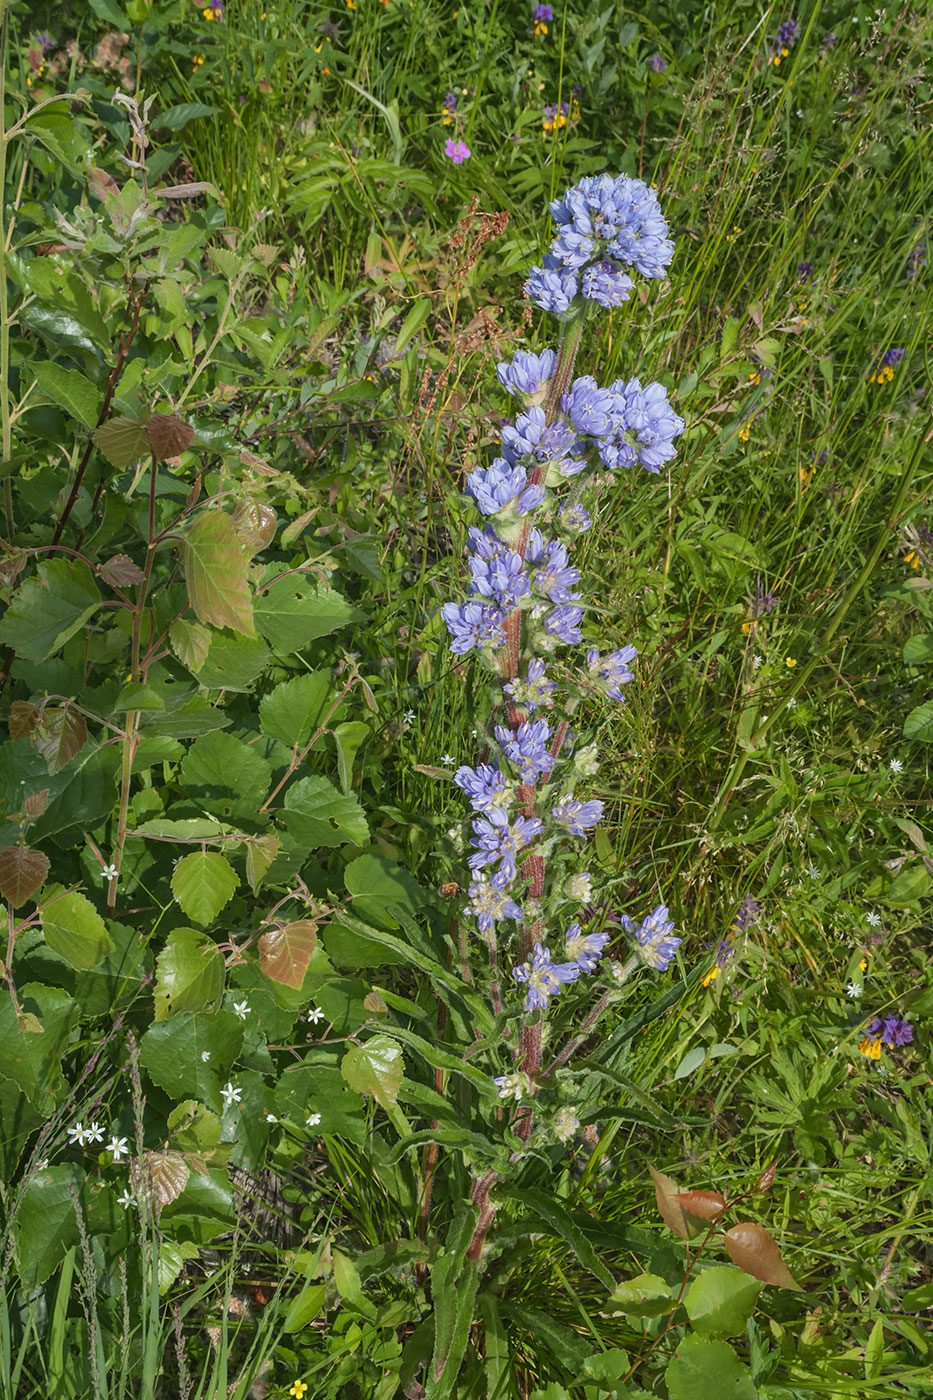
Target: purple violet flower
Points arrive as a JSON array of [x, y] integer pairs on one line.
[[554, 577], [535, 691], [474, 625], [585, 949], [553, 289], [891, 1029], [457, 151], [503, 486], [590, 409], [543, 977], [606, 284], [646, 426], [611, 672], [527, 748], [527, 373], [490, 900], [500, 577], [486, 786], [543, 12], [496, 838], [577, 816], [656, 63], [653, 935]]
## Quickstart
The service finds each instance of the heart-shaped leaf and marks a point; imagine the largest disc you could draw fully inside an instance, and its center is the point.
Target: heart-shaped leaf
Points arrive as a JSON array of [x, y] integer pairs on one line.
[[285, 953], [216, 569]]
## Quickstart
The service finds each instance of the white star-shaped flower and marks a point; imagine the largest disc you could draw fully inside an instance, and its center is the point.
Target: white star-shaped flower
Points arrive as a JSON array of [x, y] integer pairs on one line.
[[874, 919], [271, 1118], [896, 766], [313, 1119], [448, 759], [813, 871], [315, 1015], [127, 1199], [230, 1095], [854, 989], [205, 1055], [78, 1135], [408, 717], [109, 872], [94, 1132], [241, 1009], [756, 661], [118, 1147]]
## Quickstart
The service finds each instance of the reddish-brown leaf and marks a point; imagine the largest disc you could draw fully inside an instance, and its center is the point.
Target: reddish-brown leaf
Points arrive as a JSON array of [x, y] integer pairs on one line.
[[765, 1181], [683, 1224], [255, 522], [162, 1175], [22, 871], [756, 1252], [35, 804], [284, 953], [168, 435], [24, 717], [217, 572], [121, 572], [61, 734], [708, 1205]]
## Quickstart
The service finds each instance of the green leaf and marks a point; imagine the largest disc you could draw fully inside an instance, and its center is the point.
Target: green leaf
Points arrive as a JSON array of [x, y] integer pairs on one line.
[[59, 735], [730, 334], [412, 323], [177, 117], [317, 1087], [910, 885], [195, 717], [318, 815], [219, 761], [49, 608], [297, 610], [348, 737], [203, 882], [73, 928], [691, 1061], [190, 643], [76, 394], [454, 1280], [646, 1295], [32, 1058], [346, 1277], [44, 1225], [919, 723], [919, 649], [548, 1209], [294, 711], [109, 11], [217, 572], [173, 1255], [874, 1351], [123, 441], [305, 1307], [703, 1370], [189, 974], [233, 663], [181, 829], [720, 1301], [172, 1053], [606, 1367], [260, 853], [375, 1068]]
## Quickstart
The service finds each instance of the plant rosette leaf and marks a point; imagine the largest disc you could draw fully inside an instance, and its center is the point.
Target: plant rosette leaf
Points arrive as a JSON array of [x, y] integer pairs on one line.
[[189, 974], [720, 1301], [756, 1252], [202, 883]]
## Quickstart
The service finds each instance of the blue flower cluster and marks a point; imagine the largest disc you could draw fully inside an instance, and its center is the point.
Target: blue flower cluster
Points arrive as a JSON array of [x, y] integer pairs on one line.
[[604, 224], [524, 604]]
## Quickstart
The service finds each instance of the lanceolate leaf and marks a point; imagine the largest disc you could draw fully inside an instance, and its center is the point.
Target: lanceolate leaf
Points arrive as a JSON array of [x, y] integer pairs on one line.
[[547, 1208], [203, 882], [708, 1205], [22, 871], [216, 568], [756, 1252], [285, 953], [73, 928]]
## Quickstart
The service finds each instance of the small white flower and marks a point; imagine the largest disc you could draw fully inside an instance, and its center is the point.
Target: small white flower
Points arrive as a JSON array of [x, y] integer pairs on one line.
[[94, 1132], [127, 1199], [408, 717], [230, 1095], [512, 1086], [448, 760], [799, 113], [117, 1146], [109, 872], [813, 871], [271, 1118], [315, 1015], [41, 1166], [313, 1119], [566, 1123], [896, 766], [240, 1009], [78, 1135], [756, 661], [792, 704], [854, 989], [874, 919], [205, 1055]]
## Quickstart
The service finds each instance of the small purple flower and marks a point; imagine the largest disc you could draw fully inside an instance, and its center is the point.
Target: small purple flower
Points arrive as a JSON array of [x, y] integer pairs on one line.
[[532, 436], [804, 271], [891, 1029], [577, 816], [535, 691], [646, 426], [893, 357], [474, 625], [787, 34], [829, 42], [503, 486], [576, 519], [496, 838], [457, 151], [486, 786], [590, 409], [543, 977], [746, 914], [606, 284], [450, 103], [527, 748], [656, 63], [562, 624], [585, 949], [500, 578], [46, 42], [527, 373], [653, 936], [762, 602], [490, 900], [611, 672], [553, 289], [554, 577], [543, 12]]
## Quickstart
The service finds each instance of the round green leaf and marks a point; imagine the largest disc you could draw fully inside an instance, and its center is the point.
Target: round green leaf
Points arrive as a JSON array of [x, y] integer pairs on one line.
[[720, 1301], [190, 1056], [189, 974], [644, 1296], [703, 1370], [919, 723], [203, 882]]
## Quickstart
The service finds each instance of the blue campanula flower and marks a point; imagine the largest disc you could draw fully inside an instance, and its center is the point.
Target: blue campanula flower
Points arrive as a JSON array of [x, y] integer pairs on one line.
[[611, 672], [485, 544], [490, 900], [656, 63], [646, 426], [653, 935], [590, 409], [503, 486], [577, 816], [496, 838], [474, 625], [532, 436], [543, 977], [554, 577], [485, 786], [615, 217], [562, 625], [551, 288], [575, 518], [606, 284], [527, 748], [535, 691], [527, 373], [585, 949], [580, 887], [501, 578]]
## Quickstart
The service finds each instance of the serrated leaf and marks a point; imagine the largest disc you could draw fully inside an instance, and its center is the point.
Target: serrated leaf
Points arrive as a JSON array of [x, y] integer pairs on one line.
[[123, 441], [260, 853], [70, 389], [255, 522], [162, 1176], [44, 1225], [216, 569], [59, 735], [318, 815], [720, 1301], [218, 760], [233, 663], [189, 974], [49, 608], [73, 928], [375, 1068], [203, 882], [24, 716], [918, 649], [22, 872], [297, 610], [180, 828], [190, 643], [294, 711], [168, 435], [646, 1295], [285, 953], [191, 1055], [120, 572], [756, 1252]]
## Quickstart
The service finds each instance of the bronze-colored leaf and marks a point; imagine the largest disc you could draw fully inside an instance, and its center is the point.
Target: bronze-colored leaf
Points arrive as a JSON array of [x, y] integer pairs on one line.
[[756, 1252], [24, 716], [217, 572], [101, 183], [162, 1175], [12, 564], [284, 953], [708, 1205], [765, 1181], [22, 872], [683, 1224], [35, 804], [255, 522], [60, 734], [121, 572], [375, 1003], [168, 435]]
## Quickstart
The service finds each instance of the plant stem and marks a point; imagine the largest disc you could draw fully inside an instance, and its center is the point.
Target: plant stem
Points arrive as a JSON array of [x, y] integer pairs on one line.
[[5, 424]]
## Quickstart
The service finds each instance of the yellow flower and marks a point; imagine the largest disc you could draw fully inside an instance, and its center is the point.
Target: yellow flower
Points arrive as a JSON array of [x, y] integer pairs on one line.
[[351, 4], [749, 627], [863, 964], [776, 60], [871, 1049], [207, 14], [299, 1388], [804, 476], [756, 377], [744, 432], [711, 976], [913, 559], [540, 28], [784, 52], [790, 662]]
